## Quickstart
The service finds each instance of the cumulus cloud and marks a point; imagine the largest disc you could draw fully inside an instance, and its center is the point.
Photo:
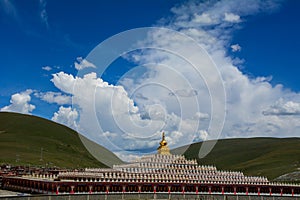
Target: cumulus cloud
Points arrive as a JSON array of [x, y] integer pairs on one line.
[[235, 47], [107, 110], [20, 102], [230, 17], [211, 24], [54, 97], [83, 63], [47, 68], [67, 116], [283, 108], [201, 116], [128, 118], [204, 18], [201, 135]]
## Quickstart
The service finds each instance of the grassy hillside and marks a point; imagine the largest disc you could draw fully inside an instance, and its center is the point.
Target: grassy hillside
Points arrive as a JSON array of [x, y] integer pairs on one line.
[[25, 139], [270, 157]]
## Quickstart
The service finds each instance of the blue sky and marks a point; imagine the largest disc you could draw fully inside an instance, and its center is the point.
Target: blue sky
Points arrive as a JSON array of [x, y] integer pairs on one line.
[[259, 42], [74, 28], [271, 47], [71, 29]]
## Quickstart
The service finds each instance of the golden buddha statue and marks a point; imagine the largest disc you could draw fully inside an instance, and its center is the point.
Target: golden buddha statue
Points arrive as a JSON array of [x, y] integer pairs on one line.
[[163, 147]]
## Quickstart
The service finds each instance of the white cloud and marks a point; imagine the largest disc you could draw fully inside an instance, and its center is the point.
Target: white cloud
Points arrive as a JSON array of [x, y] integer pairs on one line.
[[260, 79], [83, 63], [132, 116], [204, 18], [109, 116], [247, 97], [54, 97], [66, 116], [201, 116], [201, 136], [230, 17], [64, 82], [43, 13], [128, 158], [235, 47], [47, 68], [283, 108], [20, 102], [184, 93]]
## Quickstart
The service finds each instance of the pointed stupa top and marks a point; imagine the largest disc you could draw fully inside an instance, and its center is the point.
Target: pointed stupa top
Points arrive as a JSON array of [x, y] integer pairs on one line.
[[163, 146]]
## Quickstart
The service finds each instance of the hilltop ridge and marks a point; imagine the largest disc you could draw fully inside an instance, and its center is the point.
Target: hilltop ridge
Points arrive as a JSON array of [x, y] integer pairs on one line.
[[30, 140], [270, 157]]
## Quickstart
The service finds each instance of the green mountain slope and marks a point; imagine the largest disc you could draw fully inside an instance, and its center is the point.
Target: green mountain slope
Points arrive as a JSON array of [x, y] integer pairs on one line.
[[25, 139], [30, 140], [270, 157]]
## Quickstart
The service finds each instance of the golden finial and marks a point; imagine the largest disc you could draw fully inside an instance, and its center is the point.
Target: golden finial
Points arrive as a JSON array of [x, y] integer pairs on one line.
[[163, 141], [163, 147]]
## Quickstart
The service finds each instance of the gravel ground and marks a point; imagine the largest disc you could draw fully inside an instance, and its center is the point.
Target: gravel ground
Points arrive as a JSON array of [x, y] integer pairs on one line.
[[7, 193]]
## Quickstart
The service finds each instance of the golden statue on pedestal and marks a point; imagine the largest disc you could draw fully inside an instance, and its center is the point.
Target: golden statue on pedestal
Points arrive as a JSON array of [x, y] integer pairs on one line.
[[163, 148]]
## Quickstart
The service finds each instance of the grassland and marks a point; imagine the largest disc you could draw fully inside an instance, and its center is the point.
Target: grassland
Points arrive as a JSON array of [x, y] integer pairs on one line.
[[270, 157], [30, 140]]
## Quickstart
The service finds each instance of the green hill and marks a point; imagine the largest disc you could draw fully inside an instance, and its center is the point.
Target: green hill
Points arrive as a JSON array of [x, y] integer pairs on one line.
[[25, 139], [270, 157], [30, 140]]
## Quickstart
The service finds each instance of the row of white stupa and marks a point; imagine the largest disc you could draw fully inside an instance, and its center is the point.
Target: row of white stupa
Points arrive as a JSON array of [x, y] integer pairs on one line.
[[163, 167]]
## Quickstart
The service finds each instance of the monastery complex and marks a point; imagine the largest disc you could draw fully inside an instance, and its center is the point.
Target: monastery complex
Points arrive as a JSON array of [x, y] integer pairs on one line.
[[158, 173]]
